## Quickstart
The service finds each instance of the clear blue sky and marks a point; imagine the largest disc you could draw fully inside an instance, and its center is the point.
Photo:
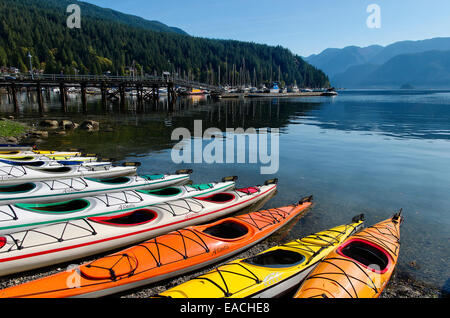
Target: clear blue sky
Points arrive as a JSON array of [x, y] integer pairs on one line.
[[303, 26]]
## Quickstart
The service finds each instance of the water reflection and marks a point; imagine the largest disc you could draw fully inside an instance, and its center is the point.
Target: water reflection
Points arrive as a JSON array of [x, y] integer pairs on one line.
[[364, 151]]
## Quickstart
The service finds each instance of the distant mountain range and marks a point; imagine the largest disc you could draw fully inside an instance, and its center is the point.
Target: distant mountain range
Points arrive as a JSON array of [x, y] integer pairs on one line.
[[420, 64]]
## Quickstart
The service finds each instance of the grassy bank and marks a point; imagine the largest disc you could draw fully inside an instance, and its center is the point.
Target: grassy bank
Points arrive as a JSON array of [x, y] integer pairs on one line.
[[9, 128]]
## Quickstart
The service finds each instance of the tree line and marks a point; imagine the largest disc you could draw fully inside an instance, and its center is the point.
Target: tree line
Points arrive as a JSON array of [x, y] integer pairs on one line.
[[104, 45]]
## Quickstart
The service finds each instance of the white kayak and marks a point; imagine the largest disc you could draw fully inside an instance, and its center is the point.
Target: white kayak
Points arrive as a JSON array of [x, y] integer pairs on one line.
[[47, 162], [24, 216], [72, 188], [74, 239], [21, 174], [14, 153]]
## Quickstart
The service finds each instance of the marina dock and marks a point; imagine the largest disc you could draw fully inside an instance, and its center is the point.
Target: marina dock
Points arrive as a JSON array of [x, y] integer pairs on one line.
[[275, 95]]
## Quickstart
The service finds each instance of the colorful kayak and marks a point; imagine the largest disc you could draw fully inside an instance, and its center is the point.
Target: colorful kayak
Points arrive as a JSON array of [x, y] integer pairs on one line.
[[46, 161], [358, 268], [272, 273], [14, 153], [10, 175], [24, 216], [67, 189], [74, 239]]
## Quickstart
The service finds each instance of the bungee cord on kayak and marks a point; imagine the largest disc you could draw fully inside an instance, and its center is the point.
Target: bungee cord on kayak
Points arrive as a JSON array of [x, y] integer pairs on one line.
[[162, 257], [360, 267], [268, 274]]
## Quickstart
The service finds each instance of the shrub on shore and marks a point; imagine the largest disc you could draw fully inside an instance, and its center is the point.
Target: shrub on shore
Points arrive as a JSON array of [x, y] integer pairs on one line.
[[9, 128]]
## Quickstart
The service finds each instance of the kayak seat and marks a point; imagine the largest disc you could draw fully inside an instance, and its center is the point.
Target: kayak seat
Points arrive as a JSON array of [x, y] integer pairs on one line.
[[276, 258], [366, 254], [136, 217], [201, 186], [165, 192], [60, 207], [153, 177], [19, 188], [227, 230], [218, 197], [249, 190]]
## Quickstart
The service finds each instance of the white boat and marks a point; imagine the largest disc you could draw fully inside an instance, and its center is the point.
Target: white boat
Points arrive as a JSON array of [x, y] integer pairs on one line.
[[274, 89], [67, 189], [293, 89], [25, 216], [70, 240], [46, 161], [162, 91], [21, 174]]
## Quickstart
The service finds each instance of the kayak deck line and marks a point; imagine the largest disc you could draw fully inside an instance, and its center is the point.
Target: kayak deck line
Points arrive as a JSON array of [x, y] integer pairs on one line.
[[268, 273], [105, 198], [70, 188], [359, 267], [185, 249], [190, 215]]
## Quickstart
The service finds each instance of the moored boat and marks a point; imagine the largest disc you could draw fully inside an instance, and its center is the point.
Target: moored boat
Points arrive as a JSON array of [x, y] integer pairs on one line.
[[274, 89]]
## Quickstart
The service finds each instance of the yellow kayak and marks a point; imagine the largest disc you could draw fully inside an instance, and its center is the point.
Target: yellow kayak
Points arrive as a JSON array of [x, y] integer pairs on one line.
[[272, 273]]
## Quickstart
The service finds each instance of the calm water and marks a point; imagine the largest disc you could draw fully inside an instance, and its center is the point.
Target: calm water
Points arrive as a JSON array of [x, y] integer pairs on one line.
[[370, 152]]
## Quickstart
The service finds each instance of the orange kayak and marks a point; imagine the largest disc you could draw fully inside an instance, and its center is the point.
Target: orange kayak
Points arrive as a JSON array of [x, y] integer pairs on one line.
[[163, 257], [360, 267]]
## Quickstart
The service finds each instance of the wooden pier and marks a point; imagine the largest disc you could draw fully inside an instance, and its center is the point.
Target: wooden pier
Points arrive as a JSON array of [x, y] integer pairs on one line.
[[111, 87]]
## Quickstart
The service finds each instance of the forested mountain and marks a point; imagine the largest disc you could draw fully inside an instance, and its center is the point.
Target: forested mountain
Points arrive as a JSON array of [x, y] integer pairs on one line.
[[111, 41]]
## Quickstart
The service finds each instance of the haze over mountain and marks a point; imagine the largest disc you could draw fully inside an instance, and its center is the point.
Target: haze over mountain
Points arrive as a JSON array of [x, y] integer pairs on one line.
[[418, 63]]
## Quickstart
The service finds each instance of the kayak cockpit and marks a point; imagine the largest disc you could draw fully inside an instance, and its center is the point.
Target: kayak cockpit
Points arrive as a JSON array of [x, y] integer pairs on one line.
[[227, 230], [118, 180], [59, 207], [222, 197], [19, 188], [165, 192], [367, 254], [276, 258], [133, 218], [62, 169]]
